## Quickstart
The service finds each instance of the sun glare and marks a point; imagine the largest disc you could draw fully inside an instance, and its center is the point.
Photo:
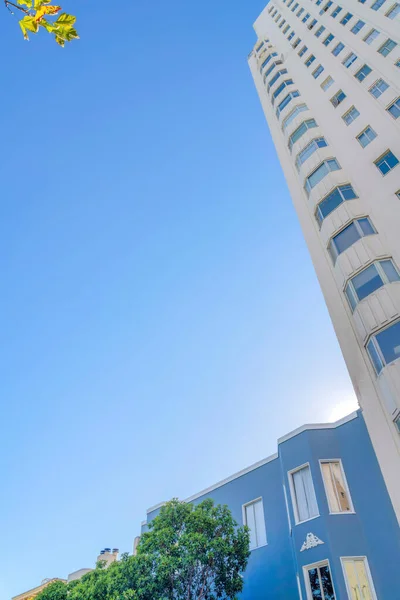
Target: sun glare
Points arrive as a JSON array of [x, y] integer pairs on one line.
[[342, 407]]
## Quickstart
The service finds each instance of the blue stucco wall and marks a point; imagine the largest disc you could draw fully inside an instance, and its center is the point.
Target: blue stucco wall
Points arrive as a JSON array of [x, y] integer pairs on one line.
[[372, 530]]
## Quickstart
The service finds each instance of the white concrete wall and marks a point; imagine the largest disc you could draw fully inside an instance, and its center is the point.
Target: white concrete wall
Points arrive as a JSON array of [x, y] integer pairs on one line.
[[378, 397]]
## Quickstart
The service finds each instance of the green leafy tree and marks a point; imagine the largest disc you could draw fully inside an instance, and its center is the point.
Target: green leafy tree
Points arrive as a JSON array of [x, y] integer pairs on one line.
[[57, 590], [195, 552], [191, 552], [41, 14]]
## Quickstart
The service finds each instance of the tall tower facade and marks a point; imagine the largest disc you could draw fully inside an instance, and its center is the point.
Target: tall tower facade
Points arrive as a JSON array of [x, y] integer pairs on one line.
[[328, 77]]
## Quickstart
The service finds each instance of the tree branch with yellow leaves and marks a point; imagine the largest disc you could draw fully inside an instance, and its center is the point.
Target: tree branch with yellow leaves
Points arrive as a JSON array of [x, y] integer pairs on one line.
[[40, 13]]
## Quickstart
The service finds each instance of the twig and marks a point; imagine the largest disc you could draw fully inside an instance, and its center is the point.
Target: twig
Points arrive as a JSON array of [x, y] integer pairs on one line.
[[8, 4]]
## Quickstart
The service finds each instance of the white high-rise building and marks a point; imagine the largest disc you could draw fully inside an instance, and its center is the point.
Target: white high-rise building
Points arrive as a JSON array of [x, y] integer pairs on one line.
[[328, 77]]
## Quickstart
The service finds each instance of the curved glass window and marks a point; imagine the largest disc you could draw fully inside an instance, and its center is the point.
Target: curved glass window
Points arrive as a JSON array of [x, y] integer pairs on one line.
[[309, 150], [369, 280], [339, 195], [358, 229], [320, 172], [384, 347], [300, 131]]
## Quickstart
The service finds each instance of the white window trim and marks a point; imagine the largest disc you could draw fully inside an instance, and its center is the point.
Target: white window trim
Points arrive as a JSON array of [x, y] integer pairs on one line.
[[287, 509], [381, 272], [306, 568], [245, 520], [293, 494], [372, 338], [299, 586], [368, 570], [346, 485]]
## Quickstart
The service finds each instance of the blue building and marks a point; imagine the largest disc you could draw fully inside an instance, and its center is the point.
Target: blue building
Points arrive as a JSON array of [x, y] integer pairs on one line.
[[322, 524]]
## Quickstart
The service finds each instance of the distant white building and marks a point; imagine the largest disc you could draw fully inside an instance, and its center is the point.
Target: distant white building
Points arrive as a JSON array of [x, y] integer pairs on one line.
[[328, 77], [107, 555]]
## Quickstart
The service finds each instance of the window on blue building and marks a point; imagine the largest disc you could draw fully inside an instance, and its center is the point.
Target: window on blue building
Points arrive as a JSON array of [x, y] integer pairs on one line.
[[319, 582], [253, 516], [358, 578], [303, 494], [336, 489]]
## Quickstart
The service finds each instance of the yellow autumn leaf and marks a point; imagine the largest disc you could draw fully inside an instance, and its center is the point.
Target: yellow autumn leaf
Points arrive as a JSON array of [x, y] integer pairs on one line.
[[46, 10]]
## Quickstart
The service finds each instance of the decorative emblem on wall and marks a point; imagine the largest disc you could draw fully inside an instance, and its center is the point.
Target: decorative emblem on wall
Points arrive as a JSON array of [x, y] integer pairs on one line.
[[311, 541]]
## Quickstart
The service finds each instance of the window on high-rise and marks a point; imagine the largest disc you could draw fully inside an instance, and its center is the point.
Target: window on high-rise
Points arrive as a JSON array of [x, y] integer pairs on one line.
[[259, 47], [394, 109], [328, 39], [397, 423], [306, 16], [320, 31], [295, 6], [326, 7], [276, 77], [310, 60], [346, 18], [300, 12], [296, 43], [300, 131], [286, 29], [318, 71], [372, 35], [357, 27], [343, 240], [312, 24], [309, 150], [358, 578], [369, 280], [386, 162], [387, 47], [286, 101], [397, 63], [267, 60], [384, 347], [271, 68], [366, 136], [348, 61], [303, 494], [334, 199], [351, 115], [253, 513], [303, 50], [337, 49], [363, 72], [337, 491], [336, 12], [281, 24], [281, 87], [327, 83], [378, 88], [320, 172], [293, 114], [377, 4], [338, 98], [394, 11], [290, 36]]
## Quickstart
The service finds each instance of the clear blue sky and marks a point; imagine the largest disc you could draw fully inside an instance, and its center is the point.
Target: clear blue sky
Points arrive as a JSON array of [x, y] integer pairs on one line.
[[156, 331]]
